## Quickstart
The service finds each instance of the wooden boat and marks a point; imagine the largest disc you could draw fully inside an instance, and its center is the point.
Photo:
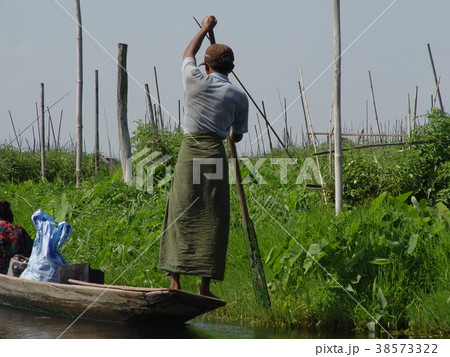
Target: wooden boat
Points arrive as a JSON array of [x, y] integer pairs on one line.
[[103, 302]]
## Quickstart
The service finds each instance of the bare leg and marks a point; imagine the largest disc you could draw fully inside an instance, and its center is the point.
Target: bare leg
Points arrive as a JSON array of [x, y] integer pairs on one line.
[[204, 288], [175, 284]]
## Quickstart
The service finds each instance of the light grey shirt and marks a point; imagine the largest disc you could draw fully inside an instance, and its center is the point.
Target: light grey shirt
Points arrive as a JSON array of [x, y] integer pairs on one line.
[[212, 103]]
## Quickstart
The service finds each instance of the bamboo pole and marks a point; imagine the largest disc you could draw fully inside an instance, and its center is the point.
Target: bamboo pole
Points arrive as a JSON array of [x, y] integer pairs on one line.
[[15, 133], [49, 131], [262, 114], [286, 124], [374, 104], [420, 142], [267, 126], [122, 113], [38, 117], [309, 121], [109, 142], [179, 113], [415, 106], [437, 93], [42, 129], [260, 130], [59, 130], [306, 108], [258, 152], [337, 108], [330, 138], [302, 91], [435, 77], [361, 134], [251, 146], [96, 130], [34, 140], [159, 99], [50, 126], [367, 119], [409, 122], [150, 110], [79, 115]]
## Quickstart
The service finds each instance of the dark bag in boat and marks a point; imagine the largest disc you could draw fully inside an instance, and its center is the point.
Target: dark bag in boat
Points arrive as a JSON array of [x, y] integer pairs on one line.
[[82, 272], [17, 265]]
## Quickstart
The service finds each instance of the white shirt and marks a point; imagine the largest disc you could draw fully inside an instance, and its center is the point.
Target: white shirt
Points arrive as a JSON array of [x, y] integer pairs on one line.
[[212, 103]]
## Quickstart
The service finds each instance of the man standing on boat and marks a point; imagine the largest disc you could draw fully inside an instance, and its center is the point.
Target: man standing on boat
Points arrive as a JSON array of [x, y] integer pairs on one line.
[[196, 223]]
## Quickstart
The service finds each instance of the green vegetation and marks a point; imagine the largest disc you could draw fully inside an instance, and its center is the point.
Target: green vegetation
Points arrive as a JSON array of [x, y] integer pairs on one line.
[[384, 258]]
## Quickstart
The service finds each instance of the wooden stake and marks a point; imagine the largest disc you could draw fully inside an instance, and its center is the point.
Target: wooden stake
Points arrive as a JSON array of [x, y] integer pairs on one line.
[[415, 106], [159, 99], [179, 113], [337, 108], [435, 77], [374, 105], [300, 86], [309, 121], [122, 114], [42, 129], [267, 126], [14, 129], [150, 111], [286, 123], [306, 108], [258, 151], [330, 138], [409, 122], [51, 128], [37, 117], [111, 166], [79, 152], [437, 93], [96, 130], [260, 131], [34, 140], [59, 129]]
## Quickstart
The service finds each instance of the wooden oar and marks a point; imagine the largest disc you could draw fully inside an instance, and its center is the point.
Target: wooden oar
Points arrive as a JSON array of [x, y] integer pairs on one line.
[[258, 277]]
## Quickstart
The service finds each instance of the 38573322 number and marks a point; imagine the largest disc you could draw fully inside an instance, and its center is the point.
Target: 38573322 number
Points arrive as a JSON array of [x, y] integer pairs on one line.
[[407, 348]]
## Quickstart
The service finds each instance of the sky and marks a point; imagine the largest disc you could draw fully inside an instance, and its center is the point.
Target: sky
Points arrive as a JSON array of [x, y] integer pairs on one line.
[[270, 39]]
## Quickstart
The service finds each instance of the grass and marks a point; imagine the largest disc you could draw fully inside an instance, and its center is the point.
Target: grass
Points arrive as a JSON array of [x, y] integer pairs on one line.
[[117, 229], [388, 250]]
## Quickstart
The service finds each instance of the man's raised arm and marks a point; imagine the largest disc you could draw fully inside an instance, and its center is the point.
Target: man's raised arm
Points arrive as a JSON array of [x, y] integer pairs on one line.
[[208, 24]]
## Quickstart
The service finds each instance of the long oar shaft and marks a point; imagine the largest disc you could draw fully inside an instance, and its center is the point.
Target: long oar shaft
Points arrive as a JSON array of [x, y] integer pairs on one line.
[[257, 270]]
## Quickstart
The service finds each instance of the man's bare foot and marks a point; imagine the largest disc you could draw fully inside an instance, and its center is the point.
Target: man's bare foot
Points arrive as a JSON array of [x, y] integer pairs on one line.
[[175, 283], [209, 294], [204, 288]]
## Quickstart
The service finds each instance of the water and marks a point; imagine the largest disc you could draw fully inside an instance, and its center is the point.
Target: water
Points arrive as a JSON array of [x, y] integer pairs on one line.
[[19, 323]]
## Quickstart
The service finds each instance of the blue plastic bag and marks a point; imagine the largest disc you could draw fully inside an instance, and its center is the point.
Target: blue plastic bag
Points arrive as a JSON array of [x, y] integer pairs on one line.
[[45, 257]]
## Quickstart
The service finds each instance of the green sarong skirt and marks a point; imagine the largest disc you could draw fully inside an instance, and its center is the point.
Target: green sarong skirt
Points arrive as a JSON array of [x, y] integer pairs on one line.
[[196, 223]]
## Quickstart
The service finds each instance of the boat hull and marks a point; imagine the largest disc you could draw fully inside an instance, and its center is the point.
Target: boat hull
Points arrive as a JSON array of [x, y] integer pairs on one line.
[[104, 302]]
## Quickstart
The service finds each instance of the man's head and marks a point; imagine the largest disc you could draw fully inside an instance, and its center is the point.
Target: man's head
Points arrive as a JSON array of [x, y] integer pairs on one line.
[[220, 58]]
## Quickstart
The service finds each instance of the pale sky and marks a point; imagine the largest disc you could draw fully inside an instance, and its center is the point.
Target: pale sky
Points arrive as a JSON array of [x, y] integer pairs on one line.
[[270, 39]]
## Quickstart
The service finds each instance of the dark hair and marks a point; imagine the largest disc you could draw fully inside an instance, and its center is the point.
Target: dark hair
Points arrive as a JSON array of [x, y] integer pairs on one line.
[[222, 67], [5, 211]]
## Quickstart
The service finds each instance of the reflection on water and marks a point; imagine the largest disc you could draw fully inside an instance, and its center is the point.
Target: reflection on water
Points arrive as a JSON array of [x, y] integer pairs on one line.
[[18, 323]]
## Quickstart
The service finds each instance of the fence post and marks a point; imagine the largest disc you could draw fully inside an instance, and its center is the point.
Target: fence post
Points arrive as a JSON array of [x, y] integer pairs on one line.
[[122, 113]]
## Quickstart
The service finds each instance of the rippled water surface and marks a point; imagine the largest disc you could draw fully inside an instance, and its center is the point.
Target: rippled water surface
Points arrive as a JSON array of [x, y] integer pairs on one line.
[[18, 323]]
